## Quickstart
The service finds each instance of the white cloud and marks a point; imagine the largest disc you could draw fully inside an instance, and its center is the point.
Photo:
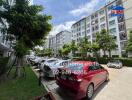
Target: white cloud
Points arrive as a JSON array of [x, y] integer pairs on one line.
[[66, 26], [87, 8]]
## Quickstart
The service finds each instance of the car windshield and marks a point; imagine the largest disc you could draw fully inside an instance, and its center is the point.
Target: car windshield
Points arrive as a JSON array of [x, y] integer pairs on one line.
[[75, 66], [50, 61], [114, 61]]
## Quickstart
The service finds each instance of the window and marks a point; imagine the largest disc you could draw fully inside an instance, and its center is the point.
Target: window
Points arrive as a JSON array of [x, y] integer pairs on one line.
[[102, 19], [110, 15], [110, 7], [95, 67], [96, 27], [96, 15], [83, 27], [88, 25], [122, 27], [102, 26], [83, 33], [112, 22], [92, 17], [101, 12], [113, 30], [93, 29], [88, 37], [120, 19], [91, 68], [88, 31]]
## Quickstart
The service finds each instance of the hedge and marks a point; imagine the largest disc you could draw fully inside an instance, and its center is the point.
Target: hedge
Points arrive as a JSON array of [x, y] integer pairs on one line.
[[3, 67], [125, 61]]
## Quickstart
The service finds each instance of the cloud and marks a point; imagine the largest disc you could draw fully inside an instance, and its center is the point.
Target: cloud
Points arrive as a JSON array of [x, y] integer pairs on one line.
[[66, 26], [87, 8]]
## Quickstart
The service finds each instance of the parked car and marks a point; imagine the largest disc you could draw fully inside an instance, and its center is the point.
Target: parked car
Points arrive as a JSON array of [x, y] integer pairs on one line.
[[36, 61], [115, 64], [50, 70], [84, 78], [47, 62]]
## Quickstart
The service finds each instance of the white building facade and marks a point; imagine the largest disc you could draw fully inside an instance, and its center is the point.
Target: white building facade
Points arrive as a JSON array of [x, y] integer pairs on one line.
[[57, 41], [102, 19]]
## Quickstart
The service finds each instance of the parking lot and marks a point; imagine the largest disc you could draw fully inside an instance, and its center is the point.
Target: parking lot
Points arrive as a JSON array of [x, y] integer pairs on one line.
[[118, 88]]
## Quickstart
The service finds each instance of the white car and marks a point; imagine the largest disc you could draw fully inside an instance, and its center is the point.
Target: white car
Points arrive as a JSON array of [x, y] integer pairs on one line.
[[46, 62], [115, 64], [50, 70]]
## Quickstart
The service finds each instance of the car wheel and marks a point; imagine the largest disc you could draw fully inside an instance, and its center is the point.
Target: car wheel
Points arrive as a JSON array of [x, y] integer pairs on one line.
[[107, 78], [90, 91]]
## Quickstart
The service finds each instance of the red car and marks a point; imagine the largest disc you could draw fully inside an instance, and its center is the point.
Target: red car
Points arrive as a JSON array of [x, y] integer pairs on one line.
[[82, 78]]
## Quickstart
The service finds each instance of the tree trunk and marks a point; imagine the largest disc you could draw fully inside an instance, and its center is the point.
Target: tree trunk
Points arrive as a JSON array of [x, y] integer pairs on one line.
[[19, 67], [104, 53], [109, 53], [96, 55]]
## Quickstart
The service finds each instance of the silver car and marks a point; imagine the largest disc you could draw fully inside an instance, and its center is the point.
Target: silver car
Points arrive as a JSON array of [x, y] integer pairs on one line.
[[115, 64], [50, 69]]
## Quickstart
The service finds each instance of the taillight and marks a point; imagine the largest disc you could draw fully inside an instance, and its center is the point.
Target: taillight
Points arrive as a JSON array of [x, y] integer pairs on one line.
[[79, 80]]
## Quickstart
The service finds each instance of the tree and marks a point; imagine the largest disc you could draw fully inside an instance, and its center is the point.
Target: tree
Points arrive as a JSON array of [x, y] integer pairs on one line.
[[95, 48], [37, 51], [84, 46], [73, 47], [65, 50], [106, 41], [129, 44], [27, 25], [47, 52], [111, 45], [101, 39]]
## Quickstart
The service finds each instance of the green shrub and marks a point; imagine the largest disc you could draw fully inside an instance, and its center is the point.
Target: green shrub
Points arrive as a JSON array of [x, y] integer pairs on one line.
[[102, 60], [125, 61], [3, 67]]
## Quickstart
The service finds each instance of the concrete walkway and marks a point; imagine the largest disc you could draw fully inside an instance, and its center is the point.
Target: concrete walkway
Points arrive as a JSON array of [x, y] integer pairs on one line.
[[118, 88]]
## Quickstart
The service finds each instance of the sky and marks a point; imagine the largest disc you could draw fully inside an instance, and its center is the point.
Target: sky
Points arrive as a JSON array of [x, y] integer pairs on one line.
[[66, 12]]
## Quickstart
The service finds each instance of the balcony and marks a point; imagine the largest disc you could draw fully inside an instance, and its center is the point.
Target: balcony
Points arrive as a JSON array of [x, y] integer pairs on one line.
[[120, 19]]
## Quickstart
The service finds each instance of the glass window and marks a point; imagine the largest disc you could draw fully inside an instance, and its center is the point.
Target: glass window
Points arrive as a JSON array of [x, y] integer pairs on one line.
[[75, 66], [113, 30], [88, 31], [112, 22], [101, 12], [102, 26], [102, 19]]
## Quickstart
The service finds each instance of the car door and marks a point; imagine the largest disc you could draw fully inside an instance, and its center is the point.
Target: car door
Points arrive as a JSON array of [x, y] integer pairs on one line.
[[92, 75], [101, 73]]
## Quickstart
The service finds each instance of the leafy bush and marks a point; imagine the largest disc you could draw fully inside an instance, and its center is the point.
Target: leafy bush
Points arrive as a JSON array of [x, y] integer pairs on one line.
[[102, 60], [126, 61], [3, 67]]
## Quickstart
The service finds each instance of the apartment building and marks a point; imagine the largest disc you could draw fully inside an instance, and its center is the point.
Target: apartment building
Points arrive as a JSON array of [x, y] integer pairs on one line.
[[102, 19], [128, 14], [57, 41], [52, 44]]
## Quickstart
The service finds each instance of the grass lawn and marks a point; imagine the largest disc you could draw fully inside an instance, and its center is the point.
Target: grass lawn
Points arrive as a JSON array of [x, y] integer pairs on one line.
[[21, 88]]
